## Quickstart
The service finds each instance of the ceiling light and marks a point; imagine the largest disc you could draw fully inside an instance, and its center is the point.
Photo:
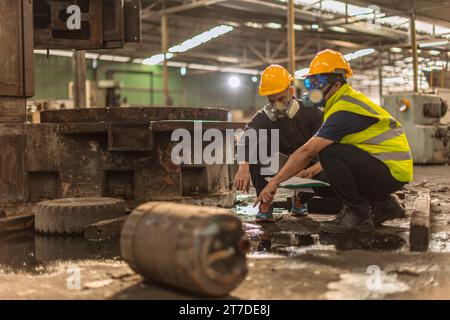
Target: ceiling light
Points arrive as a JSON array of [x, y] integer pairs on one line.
[[396, 50], [433, 43], [254, 78], [183, 71], [201, 38], [315, 26], [254, 25], [234, 82], [273, 25], [359, 54], [339, 29], [190, 43]]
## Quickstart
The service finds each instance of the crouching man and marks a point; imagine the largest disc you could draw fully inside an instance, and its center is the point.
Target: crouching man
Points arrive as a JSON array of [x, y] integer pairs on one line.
[[296, 125]]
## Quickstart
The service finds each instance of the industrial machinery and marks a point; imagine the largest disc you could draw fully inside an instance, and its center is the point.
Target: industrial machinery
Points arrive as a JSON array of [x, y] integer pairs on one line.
[[91, 152], [420, 115]]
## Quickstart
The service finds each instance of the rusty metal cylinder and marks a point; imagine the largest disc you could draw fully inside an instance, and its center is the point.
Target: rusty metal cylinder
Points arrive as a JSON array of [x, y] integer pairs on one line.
[[196, 248]]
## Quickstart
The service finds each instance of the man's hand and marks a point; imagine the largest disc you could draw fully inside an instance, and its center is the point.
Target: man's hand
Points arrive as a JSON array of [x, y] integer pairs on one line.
[[267, 194], [306, 173], [311, 172], [242, 178]]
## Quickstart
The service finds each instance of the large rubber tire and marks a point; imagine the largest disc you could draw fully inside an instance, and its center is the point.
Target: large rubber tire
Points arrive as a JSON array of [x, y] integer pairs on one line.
[[73, 215]]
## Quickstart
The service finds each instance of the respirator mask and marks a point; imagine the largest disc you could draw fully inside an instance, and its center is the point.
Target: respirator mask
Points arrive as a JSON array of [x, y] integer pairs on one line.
[[314, 97], [279, 110]]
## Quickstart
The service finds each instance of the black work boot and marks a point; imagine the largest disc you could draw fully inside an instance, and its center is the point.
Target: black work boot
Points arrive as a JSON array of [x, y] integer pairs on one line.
[[387, 210], [348, 222]]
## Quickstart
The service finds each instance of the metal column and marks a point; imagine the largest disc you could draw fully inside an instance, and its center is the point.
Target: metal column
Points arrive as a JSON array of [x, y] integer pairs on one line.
[[380, 75], [164, 48], [291, 36], [414, 50], [79, 84]]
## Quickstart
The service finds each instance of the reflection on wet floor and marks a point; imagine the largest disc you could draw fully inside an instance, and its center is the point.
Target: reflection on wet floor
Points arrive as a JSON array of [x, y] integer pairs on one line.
[[35, 253], [289, 234], [281, 241]]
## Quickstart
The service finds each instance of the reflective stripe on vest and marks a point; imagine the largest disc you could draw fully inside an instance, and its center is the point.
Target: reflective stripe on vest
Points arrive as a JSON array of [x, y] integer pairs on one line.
[[359, 103], [384, 136], [396, 156]]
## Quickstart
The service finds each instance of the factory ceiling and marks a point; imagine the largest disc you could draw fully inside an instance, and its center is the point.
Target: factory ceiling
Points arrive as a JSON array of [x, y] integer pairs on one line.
[[259, 29]]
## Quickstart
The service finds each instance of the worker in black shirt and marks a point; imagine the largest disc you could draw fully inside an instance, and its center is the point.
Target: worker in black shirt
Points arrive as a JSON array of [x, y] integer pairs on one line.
[[296, 124]]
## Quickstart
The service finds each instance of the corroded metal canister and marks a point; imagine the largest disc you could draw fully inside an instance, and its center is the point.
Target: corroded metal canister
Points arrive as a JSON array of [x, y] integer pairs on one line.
[[200, 249]]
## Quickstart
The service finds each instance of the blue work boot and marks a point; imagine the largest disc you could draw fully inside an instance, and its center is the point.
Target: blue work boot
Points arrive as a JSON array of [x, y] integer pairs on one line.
[[298, 209], [265, 213]]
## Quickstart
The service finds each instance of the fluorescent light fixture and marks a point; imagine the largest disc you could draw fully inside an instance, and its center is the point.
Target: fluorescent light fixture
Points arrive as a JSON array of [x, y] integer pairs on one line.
[[234, 82], [433, 43], [189, 44], [298, 27], [233, 23], [57, 53], [339, 29], [201, 38], [434, 52], [93, 56], [88, 55], [273, 25], [107, 57], [359, 54], [157, 59], [396, 50], [254, 25]]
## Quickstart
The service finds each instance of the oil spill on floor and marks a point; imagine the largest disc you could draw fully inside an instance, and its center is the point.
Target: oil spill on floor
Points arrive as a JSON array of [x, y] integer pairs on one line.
[[35, 253]]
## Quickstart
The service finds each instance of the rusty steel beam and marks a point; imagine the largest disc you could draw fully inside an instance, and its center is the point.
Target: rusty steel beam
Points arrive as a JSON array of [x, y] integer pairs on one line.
[[412, 18], [291, 36], [79, 84]]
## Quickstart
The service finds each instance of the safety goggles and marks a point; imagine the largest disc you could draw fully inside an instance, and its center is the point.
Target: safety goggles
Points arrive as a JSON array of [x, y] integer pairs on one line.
[[319, 81]]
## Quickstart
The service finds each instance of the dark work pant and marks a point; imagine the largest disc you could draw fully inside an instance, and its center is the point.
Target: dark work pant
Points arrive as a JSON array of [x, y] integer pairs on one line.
[[356, 177]]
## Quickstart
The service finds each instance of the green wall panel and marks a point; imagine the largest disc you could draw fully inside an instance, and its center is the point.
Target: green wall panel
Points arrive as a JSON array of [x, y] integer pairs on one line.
[[196, 88]]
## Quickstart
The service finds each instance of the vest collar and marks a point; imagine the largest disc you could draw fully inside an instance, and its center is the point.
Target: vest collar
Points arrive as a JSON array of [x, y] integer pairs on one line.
[[343, 90]]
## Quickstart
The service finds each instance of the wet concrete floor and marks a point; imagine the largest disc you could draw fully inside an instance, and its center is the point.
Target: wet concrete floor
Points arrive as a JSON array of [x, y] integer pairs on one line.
[[289, 259]]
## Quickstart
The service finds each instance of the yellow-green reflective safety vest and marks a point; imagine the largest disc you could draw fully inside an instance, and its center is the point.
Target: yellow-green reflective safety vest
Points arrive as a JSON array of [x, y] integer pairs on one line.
[[385, 140]]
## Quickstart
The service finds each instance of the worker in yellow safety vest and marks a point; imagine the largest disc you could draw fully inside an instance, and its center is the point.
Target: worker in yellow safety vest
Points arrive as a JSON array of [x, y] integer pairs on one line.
[[362, 149]]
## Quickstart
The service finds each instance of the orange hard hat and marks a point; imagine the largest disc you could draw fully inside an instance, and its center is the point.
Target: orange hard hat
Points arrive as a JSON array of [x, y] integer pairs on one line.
[[274, 79], [330, 61]]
